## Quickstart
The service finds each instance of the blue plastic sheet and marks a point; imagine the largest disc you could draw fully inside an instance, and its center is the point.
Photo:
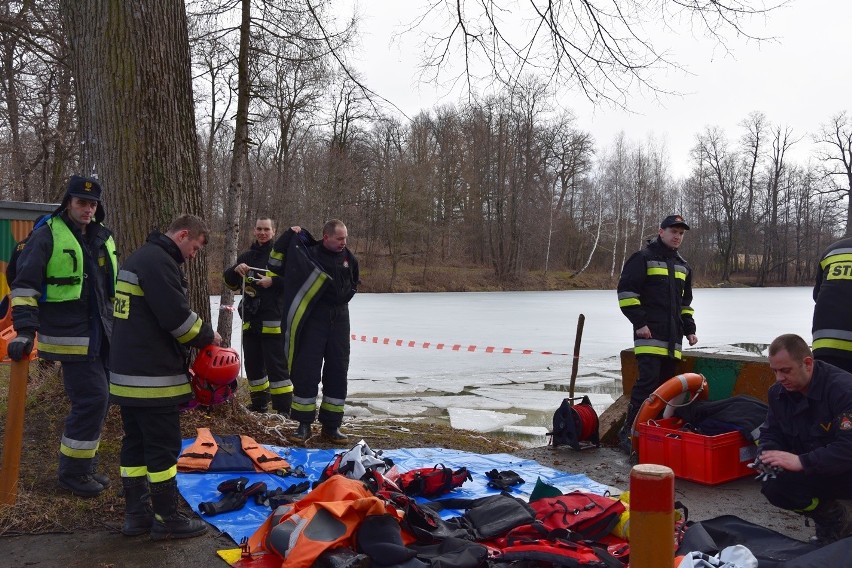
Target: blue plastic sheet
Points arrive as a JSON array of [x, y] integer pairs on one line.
[[199, 487]]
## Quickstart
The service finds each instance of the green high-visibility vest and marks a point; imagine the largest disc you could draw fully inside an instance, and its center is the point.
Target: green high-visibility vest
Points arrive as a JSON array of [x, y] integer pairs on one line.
[[65, 267]]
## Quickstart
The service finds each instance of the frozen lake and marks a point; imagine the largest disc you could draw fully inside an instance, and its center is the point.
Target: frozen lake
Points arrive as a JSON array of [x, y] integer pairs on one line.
[[501, 361]]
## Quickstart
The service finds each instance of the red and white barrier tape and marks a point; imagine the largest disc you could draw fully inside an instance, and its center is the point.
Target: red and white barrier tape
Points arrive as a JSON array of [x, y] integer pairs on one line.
[[447, 346]]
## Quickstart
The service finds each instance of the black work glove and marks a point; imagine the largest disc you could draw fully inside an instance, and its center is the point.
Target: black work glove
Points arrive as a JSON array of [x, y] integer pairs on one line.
[[503, 480], [21, 347]]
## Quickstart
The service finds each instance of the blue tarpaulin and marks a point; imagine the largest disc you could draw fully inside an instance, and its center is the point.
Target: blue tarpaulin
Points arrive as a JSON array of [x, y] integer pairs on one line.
[[200, 487]]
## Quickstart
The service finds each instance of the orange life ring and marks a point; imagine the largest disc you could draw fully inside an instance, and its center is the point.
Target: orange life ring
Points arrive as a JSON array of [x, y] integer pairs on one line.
[[692, 384]]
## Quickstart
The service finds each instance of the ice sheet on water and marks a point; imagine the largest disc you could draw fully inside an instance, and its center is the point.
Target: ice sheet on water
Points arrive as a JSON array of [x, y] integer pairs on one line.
[[481, 420], [396, 407], [538, 321], [538, 400], [361, 386], [538, 431], [468, 401], [434, 384]]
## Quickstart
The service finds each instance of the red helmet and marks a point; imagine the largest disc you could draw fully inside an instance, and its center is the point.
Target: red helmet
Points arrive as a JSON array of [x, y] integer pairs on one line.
[[207, 394], [216, 365]]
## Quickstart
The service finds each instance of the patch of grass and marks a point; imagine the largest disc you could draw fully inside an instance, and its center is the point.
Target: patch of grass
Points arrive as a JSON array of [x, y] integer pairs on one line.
[[42, 507]]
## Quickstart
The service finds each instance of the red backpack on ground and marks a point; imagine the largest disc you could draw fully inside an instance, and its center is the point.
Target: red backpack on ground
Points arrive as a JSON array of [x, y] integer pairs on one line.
[[432, 481], [591, 516]]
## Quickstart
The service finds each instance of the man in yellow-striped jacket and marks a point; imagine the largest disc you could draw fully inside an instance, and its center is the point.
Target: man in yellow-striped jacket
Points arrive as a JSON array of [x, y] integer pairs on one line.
[[832, 325], [655, 294]]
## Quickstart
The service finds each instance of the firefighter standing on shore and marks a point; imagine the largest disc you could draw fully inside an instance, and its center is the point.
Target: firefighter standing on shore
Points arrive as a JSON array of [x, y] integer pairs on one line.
[[262, 310], [63, 289], [320, 278], [655, 294], [154, 327]]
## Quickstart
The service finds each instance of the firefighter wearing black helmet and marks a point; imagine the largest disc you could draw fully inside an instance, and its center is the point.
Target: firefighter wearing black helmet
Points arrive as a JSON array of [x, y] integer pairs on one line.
[[63, 289]]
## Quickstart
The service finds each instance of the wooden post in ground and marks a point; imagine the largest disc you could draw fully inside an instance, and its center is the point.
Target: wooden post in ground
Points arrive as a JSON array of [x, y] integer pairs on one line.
[[13, 438], [580, 321]]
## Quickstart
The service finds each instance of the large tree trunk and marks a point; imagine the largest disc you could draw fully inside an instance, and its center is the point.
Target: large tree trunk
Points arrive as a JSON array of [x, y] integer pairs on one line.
[[133, 84]]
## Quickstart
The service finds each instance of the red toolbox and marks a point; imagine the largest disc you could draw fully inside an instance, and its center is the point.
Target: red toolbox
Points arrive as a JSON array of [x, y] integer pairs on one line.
[[704, 459]]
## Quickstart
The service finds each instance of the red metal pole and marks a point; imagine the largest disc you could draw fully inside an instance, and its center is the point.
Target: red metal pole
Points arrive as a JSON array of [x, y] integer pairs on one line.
[[651, 516]]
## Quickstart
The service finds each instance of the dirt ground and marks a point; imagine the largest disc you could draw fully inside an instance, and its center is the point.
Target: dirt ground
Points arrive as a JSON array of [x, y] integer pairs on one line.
[[104, 547]]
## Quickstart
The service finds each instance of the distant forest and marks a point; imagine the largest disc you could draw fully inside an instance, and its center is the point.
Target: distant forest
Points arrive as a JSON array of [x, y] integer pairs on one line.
[[502, 182]]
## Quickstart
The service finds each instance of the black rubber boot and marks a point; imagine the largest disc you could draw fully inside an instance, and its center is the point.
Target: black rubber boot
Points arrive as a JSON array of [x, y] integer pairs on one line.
[[259, 401], [99, 477], [832, 522], [81, 485], [168, 522], [75, 477], [625, 442], [281, 403], [138, 514], [333, 434], [302, 433]]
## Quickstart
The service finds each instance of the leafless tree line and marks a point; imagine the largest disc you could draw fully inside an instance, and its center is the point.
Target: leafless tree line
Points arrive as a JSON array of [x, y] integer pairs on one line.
[[286, 128]]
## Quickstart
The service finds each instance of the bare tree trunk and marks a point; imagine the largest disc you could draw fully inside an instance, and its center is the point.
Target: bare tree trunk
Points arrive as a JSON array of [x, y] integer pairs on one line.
[[597, 239], [235, 186], [137, 121]]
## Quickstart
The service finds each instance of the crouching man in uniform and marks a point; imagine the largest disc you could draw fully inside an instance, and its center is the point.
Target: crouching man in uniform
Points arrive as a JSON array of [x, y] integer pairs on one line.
[[807, 437]]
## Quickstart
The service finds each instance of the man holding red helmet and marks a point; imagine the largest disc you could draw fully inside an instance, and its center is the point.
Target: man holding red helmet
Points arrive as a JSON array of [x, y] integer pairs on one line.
[[154, 327]]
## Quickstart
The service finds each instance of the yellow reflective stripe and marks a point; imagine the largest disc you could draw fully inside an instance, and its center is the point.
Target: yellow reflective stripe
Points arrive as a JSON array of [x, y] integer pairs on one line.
[[626, 302], [77, 453], [657, 271], [135, 471], [271, 330], [303, 407], [62, 349], [687, 310], [846, 257], [258, 388], [281, 390], [192, 333], [24, 301], [813, 505], [827, 343], [680, 275], [315, 287], [161, 476], [647, 350], [128, 288], [331, 407], [149, 392], [246, 325]]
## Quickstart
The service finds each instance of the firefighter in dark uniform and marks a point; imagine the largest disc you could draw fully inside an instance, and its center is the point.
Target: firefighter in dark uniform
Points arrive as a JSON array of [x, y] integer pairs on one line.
[[154, 327], [63, 289], [832, 325], [808, 436], [320, 278], [262, 309], [655, 293]]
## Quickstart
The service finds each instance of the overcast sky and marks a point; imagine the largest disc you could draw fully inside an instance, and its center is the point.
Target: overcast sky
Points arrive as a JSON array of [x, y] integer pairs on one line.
[[799, 80]]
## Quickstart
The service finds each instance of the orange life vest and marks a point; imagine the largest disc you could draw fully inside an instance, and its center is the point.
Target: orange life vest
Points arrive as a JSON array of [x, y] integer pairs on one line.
[[325, 518], [199, 455]]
